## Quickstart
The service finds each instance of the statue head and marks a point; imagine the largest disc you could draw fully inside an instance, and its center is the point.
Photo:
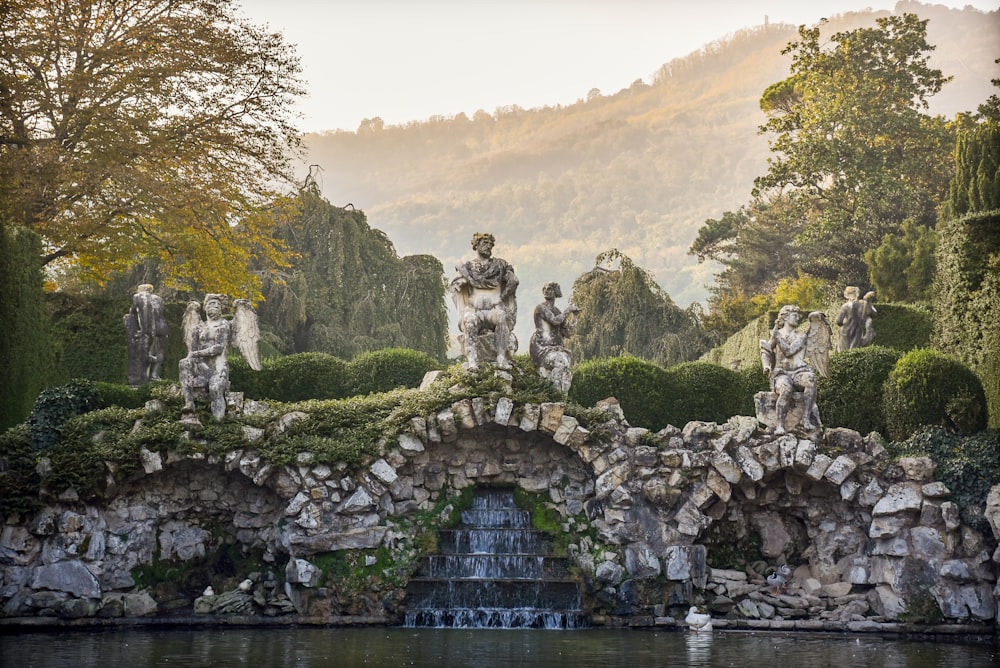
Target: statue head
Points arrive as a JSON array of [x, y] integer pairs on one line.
[[479, 237], [145, 287], [787, 311], [852, 292], [551, 289], [214, 304]]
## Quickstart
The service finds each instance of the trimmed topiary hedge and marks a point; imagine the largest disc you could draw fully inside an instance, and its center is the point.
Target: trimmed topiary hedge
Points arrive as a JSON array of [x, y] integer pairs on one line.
[[638, 386], [704, 391], [292, 378], [927, 387], [903, 327], [852, 395], [388, 369]]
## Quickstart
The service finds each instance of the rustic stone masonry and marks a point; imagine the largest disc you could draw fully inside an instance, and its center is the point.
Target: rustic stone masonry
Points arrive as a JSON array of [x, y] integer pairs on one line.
[[869, 542]]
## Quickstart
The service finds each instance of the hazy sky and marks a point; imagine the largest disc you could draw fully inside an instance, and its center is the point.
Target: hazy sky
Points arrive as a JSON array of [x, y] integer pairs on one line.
[[407, 60]]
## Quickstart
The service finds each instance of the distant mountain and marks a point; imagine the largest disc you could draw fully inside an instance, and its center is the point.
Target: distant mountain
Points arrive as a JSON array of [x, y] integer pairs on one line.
[[640, 170]]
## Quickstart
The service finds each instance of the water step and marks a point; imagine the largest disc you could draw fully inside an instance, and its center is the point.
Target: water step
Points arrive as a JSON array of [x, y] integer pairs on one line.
[[494, 571]]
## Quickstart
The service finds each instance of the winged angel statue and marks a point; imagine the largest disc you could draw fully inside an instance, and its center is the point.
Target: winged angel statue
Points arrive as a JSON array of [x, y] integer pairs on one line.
[[784, 359], [205, 371]]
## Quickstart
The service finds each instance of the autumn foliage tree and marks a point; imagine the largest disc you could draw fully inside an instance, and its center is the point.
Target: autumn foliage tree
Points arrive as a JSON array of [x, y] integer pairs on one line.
[[132, 129]]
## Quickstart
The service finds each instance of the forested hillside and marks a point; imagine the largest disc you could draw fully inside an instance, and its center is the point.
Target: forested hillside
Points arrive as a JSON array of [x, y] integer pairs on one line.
[[640, 170]]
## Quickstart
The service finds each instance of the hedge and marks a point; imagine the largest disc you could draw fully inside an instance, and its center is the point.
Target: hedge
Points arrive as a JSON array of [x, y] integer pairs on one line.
[[927, 387], [638, 386], [388, 369], [852, 395]]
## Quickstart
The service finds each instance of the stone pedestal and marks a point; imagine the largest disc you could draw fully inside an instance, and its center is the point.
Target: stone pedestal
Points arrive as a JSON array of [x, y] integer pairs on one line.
[[767, 413]]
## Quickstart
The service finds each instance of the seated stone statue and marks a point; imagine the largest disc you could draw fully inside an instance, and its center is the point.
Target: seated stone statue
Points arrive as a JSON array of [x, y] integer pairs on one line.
[[485, 294], [146, 334], [783, 357], [551, 358], [205, 371]]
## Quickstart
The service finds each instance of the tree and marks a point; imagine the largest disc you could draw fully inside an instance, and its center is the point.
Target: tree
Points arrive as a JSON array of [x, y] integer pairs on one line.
[[851, 142], [901, 268], [348, 292], [624, 312], [140, 128]]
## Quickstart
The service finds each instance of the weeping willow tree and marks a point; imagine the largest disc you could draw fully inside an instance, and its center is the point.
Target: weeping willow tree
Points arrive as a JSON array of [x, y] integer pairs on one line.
[[348, 291], [624, 312]]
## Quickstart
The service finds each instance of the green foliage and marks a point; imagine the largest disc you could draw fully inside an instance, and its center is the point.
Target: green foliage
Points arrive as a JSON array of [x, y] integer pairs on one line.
[[976, 185], [967, 298], [19, 478], [638, 386], [25, 350], [348, 292], [851, 144], [388, 369], [296, 377], [114, 394], [902, 267], [927, 387], [624, 312], [704, 391], [968, 465], [55, 406], [852, 394], [903, 327]]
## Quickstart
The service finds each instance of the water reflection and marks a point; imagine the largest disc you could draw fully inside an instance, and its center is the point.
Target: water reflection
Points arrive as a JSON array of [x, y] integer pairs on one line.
[[699, 649], [443, 648]]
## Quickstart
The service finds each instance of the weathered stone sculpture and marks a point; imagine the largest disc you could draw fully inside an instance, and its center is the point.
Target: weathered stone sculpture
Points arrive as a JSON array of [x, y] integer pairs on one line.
[[205, 371], [485, 294], [850, 320], [868, 319], [550, 356], [146, 335], [793, 381]]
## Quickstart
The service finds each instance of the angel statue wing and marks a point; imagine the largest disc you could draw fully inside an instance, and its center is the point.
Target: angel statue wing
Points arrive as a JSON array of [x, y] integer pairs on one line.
[[819, 341], [246, 332], [190, 322]]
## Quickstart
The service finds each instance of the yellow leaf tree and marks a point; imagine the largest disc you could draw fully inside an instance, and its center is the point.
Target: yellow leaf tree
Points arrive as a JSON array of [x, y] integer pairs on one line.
[[132, 129]]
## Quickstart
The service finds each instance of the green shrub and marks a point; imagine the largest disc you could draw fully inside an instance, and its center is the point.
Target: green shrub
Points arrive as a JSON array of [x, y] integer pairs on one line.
[[702, 391], [116, 394], [903, 327], [638, 386], [19, 478], [388, 369], [296, 377], [852, 395], [754, 380], [968, 465], [26, 353], [55, 406], [927, 387]]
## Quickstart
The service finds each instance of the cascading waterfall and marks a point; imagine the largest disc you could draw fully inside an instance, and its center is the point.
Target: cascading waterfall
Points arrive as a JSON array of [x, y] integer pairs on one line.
[[494, 571]]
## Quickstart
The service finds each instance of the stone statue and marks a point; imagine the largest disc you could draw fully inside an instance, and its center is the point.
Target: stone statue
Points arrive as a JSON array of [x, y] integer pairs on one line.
[[819, 342], [146, 335], [485, 294], [784, 359], [205, 371], [850, 320], [551, 358], [868, 319]]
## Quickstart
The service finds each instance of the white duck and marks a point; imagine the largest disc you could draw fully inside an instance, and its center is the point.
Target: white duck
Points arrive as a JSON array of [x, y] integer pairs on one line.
[[697, 621]]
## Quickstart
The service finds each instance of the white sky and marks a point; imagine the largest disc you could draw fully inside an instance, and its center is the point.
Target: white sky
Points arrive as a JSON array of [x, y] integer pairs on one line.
[[408, 60]]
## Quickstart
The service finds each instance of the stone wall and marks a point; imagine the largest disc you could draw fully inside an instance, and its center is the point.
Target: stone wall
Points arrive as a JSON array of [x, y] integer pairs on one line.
[[864, 538]]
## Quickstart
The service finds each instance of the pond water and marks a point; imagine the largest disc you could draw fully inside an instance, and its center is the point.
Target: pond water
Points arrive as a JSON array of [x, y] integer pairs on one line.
[[442, 648]]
